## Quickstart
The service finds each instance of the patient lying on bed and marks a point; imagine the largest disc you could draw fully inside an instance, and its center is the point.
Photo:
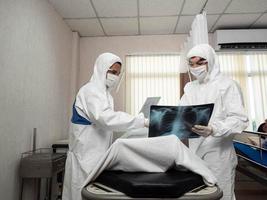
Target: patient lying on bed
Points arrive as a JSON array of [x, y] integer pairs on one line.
[[156, 154], [257, 141], [252, 139]]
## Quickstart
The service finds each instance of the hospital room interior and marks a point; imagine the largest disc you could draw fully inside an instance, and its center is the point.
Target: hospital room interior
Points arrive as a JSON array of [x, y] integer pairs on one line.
[[133, 99]]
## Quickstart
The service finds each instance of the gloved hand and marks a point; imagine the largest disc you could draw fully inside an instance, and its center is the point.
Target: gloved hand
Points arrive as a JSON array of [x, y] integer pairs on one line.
[[204, 131], [146, 122]]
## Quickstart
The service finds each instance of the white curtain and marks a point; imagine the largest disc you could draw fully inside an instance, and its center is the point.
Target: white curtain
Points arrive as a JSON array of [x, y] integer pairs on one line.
[[151, 75], [158, 75], [233, 64], [249, 69], [200, 29], [257, 70]]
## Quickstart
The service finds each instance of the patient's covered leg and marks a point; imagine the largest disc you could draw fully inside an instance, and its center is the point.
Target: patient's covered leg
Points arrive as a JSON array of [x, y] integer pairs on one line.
[[156, 154]]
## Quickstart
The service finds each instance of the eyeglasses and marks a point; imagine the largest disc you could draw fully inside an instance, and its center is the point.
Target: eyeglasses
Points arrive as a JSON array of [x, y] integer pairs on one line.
[[115, 72], [201, 61]]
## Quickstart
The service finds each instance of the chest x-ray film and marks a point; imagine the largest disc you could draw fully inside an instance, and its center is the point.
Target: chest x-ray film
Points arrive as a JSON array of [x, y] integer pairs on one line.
[[146, 106], [178, 120]]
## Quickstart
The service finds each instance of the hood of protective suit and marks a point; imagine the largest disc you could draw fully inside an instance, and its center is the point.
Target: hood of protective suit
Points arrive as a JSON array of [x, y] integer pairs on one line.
[[102, 65], [207, 52]]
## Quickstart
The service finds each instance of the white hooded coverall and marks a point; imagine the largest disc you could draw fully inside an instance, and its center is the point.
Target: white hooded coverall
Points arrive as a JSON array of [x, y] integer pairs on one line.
[[91, 134], [228, 118]]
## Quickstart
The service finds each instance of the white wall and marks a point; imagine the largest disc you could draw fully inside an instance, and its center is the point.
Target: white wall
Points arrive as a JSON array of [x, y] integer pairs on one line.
[[35, 65], [91, 47]]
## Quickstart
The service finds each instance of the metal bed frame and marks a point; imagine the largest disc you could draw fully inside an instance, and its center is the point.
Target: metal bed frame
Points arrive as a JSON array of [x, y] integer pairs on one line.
[[98, 191], [247, 165]]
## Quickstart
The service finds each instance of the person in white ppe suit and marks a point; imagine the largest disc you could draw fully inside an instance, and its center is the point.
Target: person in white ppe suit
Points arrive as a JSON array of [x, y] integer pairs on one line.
[[228, 118], [93, 123]]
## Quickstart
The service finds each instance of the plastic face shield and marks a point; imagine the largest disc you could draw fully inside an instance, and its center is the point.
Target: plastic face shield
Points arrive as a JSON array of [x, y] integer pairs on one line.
[[121, 77]]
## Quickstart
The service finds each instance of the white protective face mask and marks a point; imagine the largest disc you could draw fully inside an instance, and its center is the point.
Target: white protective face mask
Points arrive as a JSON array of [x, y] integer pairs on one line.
[[199, 72], [112, 81]]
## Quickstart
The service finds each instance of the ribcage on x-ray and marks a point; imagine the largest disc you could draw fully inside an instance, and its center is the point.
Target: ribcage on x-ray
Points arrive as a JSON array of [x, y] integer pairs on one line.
[[178, 120]]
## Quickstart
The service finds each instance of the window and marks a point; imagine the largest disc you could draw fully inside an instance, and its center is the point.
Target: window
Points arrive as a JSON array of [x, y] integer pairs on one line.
[[151, 75], [158, 75], [249, 69]]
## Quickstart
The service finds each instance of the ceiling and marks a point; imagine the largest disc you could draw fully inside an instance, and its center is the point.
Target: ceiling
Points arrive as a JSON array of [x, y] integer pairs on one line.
[[156, 17]]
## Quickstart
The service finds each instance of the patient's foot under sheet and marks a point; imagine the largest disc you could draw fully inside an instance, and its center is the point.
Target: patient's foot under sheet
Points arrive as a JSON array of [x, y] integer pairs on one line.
[[156, 154]]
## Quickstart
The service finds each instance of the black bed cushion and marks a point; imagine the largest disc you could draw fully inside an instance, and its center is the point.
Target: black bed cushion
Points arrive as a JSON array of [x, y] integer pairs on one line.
[[170, 184]]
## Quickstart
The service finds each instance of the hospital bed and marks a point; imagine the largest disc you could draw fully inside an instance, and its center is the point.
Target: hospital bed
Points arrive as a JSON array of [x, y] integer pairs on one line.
[[252, 156], [124, 185]]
